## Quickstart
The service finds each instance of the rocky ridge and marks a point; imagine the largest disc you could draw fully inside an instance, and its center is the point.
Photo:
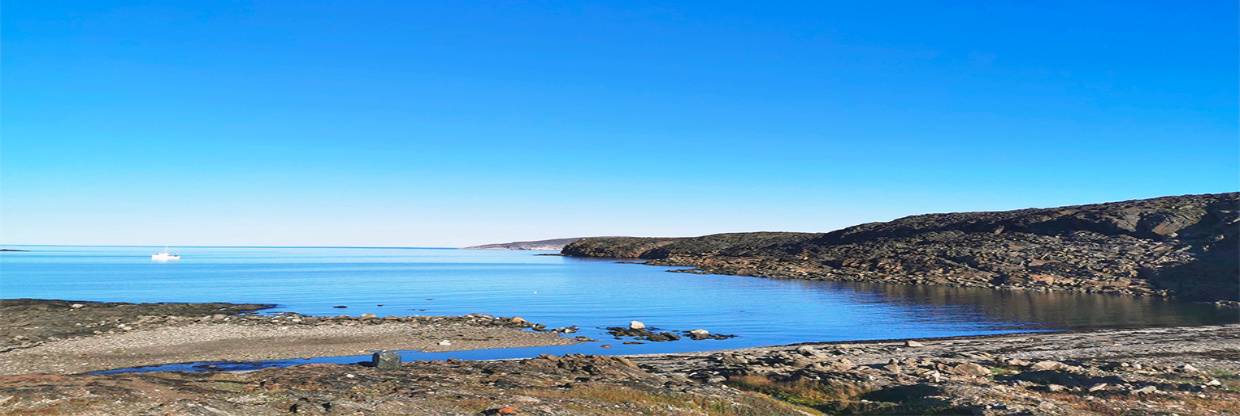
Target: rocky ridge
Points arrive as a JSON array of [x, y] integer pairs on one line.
[[1179, 245]]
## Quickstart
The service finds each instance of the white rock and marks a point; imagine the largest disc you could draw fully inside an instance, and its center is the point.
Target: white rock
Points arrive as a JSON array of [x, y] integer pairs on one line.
[[911, 343], [445, 343], [636, 325], [77, 306]]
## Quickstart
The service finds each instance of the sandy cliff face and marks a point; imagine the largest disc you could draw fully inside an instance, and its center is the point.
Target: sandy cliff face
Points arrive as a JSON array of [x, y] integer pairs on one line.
[[1178, 245]]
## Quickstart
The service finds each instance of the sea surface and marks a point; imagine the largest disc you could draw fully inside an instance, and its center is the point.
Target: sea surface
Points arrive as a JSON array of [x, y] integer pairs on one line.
[[559, 291]]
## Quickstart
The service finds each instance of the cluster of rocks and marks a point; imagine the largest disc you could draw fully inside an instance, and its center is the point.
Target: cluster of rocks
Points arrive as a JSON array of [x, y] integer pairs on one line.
[[1184, 246], [520, 322], [638, 330], [1172, 370]]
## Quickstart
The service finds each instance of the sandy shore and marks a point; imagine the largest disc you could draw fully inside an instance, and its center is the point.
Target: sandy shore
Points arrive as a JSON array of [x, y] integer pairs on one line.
[[133, 336]]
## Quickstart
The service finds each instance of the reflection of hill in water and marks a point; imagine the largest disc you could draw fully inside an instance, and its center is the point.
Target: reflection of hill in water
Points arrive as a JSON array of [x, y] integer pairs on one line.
[[1057, 310]]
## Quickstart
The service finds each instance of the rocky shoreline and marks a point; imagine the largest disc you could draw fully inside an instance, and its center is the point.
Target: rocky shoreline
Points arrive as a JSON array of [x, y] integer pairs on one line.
[[1182, 370], [1182, 246]]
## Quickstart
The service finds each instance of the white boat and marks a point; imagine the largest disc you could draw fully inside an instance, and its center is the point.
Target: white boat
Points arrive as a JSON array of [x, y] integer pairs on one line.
[[165, 256]]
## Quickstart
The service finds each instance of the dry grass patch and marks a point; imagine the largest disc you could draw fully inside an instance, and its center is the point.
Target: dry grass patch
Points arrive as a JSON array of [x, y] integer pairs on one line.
[[802, 393]]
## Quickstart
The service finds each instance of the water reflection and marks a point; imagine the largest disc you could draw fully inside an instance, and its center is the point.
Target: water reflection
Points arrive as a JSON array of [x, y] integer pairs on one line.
[[1050, 310]]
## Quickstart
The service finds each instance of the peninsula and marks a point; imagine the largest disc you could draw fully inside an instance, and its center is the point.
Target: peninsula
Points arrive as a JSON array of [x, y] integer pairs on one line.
[[1182, 246]]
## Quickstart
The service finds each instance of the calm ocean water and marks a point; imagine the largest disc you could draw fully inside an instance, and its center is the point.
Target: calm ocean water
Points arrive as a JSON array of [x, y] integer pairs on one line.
[[559, 291]]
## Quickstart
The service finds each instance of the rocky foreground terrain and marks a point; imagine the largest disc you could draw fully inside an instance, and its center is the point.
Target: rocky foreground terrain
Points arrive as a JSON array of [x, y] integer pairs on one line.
[[1186, 371], [1184, 246]]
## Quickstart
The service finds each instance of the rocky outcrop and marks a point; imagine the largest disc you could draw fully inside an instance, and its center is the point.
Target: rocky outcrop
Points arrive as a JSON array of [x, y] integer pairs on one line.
[[1178, 245]]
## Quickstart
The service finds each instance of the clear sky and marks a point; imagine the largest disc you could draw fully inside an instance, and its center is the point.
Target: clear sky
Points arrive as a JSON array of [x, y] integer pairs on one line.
[[453, 123]]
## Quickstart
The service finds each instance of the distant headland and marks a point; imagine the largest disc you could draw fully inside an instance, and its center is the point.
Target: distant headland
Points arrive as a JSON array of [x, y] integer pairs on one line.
[[552, 244]]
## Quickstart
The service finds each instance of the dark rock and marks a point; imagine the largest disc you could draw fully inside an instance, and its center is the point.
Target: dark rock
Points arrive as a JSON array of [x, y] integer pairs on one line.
[[646, 334], [662, 336], [904, 393], [385, 360]]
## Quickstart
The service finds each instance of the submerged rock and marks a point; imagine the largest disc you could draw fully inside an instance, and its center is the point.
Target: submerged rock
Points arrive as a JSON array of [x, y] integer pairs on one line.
[[566, 330], [701, 334]]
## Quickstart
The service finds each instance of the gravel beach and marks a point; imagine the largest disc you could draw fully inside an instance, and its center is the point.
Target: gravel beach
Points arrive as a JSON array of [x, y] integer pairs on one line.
[[64, 337]]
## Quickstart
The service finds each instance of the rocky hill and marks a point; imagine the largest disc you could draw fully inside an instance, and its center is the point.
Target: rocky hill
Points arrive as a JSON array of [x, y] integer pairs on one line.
[[1177, 245], [553, 244]]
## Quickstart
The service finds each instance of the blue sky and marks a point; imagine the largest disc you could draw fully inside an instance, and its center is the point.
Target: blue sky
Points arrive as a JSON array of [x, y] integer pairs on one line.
[[452, 123]]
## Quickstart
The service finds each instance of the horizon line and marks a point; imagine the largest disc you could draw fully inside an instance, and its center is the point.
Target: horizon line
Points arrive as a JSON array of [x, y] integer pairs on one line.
[[228, 246]]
